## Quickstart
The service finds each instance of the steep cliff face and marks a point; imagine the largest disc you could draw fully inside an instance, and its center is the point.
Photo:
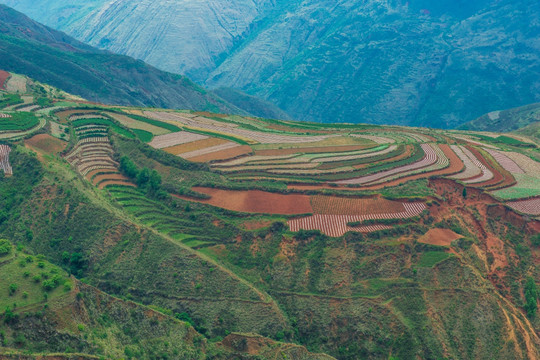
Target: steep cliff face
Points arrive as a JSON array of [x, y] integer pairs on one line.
[[391, 61]]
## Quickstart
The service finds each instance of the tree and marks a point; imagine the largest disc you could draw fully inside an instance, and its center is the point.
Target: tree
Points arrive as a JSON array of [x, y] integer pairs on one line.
[[531, 297], [5, 247], [464, 192]]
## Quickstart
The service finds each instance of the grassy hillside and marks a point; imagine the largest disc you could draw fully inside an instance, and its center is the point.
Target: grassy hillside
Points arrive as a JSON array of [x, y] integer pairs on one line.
[[506, 120]]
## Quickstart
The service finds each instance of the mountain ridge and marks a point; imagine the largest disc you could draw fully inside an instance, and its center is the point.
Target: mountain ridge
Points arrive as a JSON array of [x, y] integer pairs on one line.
[[414, 63]]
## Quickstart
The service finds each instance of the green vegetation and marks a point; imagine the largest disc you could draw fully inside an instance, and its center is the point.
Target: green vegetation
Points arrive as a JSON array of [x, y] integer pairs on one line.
[[19, 121], [432, 258], [7, 99], [142, 135], [161, 124]]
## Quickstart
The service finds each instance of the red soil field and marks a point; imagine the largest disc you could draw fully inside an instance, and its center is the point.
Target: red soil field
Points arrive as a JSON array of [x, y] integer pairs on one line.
[[255, 201], [4, 75], [224, 154], [46, 143], [441, 237], [309, 150], [353, 206]]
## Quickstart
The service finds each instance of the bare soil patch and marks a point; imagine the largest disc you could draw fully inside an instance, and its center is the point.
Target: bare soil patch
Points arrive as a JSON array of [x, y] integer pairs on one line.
[[255, 201], [46, 143], [441, 237], [256, 225], [4, 75]]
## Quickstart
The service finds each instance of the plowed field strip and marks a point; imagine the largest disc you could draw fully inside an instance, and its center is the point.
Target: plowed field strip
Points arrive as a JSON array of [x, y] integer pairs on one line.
[[195, 145], [309, 150], [507, 163], [429, 159], [471, 169], [209, 150], [223, 155], [173, 139], [336, 225], [490, 175], [114, 182], [353, 206], [530, 206], [486, 173]]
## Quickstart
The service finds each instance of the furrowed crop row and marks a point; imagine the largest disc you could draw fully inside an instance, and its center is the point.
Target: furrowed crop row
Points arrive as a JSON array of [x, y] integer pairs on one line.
[[356, 156], [261, 137], [430, 158], [375, 139], [208, 150], [336, 225], [486, 173], [176, 138], [331, 205], [441, 163], [530, 206], [4, 116], [507, 163], [4, 159], [471, 169]]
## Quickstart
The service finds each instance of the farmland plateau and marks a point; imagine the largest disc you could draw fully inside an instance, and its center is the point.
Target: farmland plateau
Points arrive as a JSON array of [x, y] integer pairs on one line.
[[134, 232]]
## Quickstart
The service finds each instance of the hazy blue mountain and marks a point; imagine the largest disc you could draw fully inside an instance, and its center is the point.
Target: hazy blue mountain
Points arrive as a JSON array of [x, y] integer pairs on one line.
[[408, 62]]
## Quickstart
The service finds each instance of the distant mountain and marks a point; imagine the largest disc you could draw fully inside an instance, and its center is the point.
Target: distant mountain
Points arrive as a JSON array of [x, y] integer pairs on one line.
[[404, 62], [506, 120], [55, 58]]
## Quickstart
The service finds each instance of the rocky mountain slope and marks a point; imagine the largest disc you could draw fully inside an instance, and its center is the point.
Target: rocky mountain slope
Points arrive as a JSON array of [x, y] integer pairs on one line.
[[415, 62], [53, 57]]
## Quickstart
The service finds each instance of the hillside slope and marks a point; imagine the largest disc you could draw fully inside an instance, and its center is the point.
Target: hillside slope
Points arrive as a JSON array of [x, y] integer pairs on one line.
[[414, 63], [505, 120], [52, 57]]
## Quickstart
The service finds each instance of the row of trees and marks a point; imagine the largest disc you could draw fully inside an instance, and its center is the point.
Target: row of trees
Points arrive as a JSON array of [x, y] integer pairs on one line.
[[146, 179]]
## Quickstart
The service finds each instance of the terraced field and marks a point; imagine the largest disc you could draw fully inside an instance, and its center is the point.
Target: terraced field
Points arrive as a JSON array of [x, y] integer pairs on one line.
[[92, 155]]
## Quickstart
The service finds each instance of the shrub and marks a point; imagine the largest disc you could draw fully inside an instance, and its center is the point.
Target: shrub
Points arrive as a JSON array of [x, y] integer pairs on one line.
[[13, 289], [5, 247]]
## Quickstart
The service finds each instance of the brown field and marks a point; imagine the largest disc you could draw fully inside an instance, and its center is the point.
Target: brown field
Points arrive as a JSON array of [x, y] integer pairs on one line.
[[332, 205], [195, 145], [309, 150], [46, 143], [223, 155], [64, 115], [255, 201], [441, 237], [4, 75]]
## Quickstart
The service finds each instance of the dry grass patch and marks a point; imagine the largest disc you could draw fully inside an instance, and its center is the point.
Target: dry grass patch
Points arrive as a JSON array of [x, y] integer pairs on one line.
[[195, 145], [441, 237], [46, 143]]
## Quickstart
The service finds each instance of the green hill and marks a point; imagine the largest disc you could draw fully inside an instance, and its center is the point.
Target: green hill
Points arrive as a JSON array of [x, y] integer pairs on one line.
[[505, 120]]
